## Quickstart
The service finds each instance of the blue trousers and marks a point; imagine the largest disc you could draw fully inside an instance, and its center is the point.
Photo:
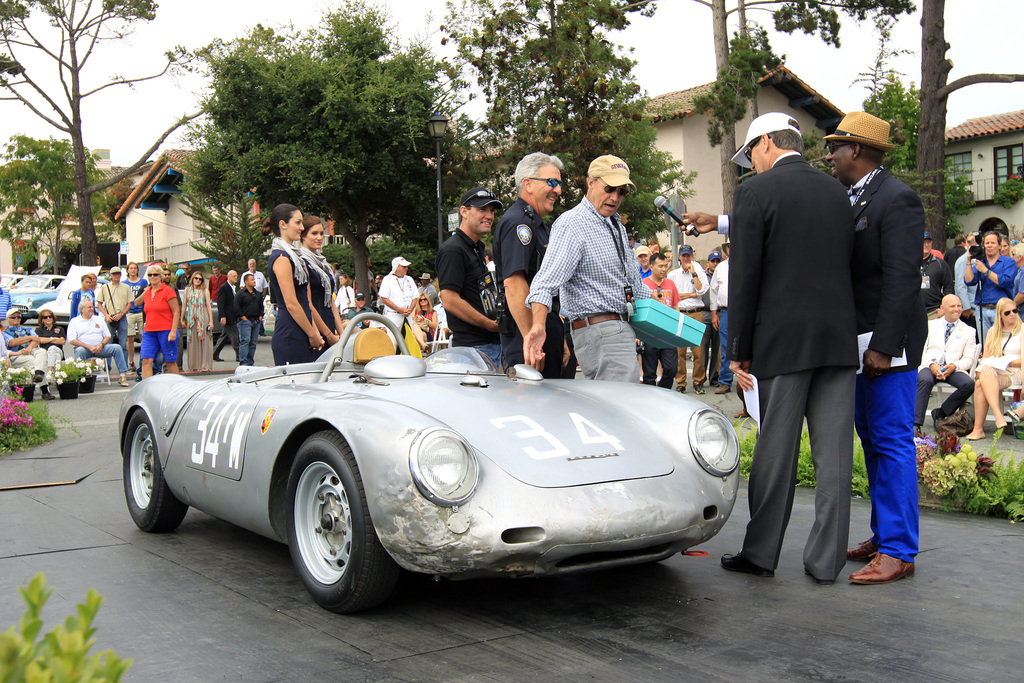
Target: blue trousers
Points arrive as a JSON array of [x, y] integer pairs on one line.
[[725, 372], [248, 334], [884, 417]]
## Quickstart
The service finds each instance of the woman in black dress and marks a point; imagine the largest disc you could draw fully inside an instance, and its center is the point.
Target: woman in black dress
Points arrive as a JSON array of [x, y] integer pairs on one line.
[[295, 339], [322, 283]]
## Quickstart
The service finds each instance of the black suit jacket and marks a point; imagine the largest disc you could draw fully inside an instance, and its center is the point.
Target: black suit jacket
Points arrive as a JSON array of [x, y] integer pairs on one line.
[[790, 289], [889, 230], [226, 306]]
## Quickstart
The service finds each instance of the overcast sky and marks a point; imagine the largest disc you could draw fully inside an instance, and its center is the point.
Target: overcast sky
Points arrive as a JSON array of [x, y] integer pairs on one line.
[[674, 51]]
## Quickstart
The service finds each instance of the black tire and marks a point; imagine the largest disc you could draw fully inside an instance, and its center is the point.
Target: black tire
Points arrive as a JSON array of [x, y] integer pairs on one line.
[[331, 538], [152, 505]]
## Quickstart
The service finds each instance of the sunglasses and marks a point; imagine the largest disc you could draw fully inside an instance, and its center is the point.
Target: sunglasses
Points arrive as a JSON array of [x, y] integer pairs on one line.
[[46, 317], [1010, 311], [551, 182], [833, 146], [623, 190]]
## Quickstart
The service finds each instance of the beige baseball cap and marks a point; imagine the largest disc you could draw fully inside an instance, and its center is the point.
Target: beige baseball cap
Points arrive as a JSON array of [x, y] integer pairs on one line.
[[612, 170]]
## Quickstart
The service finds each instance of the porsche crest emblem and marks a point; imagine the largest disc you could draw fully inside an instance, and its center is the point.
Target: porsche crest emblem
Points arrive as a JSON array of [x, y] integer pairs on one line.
[[267, 419]]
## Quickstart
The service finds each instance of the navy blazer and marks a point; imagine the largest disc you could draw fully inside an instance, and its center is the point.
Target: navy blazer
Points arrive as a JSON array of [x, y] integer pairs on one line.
[[790, 290], [888, 233], [226, 306]]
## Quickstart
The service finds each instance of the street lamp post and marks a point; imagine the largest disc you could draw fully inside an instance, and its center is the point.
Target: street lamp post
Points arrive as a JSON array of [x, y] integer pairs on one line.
[[437, 124]]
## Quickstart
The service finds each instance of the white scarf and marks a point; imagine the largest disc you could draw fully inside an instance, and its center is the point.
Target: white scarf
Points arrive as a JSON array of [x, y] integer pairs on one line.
[[318, 264], [299, 269]]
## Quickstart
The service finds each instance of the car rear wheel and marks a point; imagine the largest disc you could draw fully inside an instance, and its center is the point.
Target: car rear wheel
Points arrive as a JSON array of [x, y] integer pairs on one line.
[[152, 505], [330, 535]]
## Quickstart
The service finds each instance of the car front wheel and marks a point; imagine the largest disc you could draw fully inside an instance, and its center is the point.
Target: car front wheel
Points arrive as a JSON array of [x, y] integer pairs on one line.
[[152, 505], [330, 535]]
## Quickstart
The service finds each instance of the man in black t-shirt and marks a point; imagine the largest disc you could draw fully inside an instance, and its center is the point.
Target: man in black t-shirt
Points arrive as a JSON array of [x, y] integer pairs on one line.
[[468, 292]]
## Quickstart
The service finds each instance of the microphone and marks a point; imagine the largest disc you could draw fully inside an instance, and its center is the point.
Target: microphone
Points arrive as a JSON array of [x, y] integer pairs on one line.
[[662, 203]]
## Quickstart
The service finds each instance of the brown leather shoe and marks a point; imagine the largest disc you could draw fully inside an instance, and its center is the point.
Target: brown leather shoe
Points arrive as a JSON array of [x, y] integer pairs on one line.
[[864, 552], [882, 569]]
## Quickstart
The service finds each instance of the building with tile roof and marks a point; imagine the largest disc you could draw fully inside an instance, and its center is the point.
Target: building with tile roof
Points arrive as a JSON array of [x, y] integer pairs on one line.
[[990, 149], [682, 132], [156, 225]]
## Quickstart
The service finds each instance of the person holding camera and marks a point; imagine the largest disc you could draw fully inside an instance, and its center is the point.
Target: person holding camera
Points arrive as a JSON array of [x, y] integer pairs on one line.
[[468, 291], [994, 275]]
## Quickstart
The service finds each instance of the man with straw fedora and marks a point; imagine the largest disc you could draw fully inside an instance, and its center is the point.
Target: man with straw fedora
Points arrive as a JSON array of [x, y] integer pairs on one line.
[[888, 232]]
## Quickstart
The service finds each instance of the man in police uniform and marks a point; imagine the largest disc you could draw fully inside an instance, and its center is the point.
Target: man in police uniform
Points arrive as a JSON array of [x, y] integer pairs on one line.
[[467, 287], [520, 242]]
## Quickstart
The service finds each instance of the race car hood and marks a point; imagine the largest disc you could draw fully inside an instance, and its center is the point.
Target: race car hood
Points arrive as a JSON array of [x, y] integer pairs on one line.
[[548, 434]]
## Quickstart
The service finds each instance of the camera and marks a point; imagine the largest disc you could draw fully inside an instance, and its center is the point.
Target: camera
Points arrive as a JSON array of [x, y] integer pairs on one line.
[[977, 251]]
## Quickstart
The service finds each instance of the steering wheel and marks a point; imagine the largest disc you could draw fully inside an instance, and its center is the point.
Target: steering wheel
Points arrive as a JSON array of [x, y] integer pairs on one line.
[[338, 350]]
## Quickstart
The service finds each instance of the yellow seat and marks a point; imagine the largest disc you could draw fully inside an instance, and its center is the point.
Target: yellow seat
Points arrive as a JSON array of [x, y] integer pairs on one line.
[[372, 343]]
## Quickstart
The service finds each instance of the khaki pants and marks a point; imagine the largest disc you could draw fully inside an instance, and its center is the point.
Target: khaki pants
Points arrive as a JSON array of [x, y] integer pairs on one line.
[[699, 371], [934, 315], [36, 359]]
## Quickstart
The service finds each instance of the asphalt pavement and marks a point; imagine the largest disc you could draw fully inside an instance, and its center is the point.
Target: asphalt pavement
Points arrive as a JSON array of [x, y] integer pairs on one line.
[[212, 602]]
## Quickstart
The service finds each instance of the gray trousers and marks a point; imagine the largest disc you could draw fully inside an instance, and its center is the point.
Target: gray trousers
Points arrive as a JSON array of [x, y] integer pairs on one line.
[[607, 351], [825, 396]]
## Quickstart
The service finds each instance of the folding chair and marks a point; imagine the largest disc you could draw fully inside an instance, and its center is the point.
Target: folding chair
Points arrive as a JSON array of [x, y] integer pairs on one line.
[[102, 367]]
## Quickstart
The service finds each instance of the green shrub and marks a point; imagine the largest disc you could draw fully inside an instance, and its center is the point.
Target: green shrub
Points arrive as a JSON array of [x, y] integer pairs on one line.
[[1010, 192], [21, 434], [805, 466], [62, 654]]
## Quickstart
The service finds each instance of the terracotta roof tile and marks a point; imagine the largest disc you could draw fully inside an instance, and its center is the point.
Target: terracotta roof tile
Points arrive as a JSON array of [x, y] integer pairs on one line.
[[987, 125], [679, 104]]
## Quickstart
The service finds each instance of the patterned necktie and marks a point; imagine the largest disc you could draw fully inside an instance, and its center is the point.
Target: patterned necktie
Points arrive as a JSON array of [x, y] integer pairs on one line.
[[949, 331]]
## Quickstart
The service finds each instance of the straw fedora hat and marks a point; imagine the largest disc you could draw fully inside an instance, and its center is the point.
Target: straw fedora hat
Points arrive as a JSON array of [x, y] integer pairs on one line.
[[861, 127]]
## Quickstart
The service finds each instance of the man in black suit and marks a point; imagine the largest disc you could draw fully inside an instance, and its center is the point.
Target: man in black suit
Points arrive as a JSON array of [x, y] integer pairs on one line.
[[228, 311], [889, 226], [791, 325]]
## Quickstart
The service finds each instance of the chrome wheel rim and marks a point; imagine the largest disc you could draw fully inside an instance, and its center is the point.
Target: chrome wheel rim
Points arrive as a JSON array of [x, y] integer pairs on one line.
[[141, 463], [323, 523]]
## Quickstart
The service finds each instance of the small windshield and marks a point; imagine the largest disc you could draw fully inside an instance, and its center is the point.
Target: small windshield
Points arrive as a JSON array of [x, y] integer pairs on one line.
[[32, 282], [460, 360]]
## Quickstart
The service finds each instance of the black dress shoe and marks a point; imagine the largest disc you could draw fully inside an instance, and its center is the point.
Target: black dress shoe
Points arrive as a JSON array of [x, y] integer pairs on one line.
[[738, 563], [218, 359], [937, 417]]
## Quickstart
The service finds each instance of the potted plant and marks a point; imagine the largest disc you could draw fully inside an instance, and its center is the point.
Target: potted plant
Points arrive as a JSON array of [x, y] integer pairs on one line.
[[20, 381], [88, 383], [68, 375]]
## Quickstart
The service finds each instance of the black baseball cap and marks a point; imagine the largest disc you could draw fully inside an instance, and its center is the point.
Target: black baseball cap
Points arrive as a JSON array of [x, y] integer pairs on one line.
[[480, 197]]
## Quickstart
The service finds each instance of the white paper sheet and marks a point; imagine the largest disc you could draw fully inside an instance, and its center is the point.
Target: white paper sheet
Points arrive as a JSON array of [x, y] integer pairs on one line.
[[997, 362], [863, 341], [753, 400]]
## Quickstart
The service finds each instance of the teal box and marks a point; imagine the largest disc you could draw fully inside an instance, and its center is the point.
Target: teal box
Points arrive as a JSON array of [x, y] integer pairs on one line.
[[663, 327]]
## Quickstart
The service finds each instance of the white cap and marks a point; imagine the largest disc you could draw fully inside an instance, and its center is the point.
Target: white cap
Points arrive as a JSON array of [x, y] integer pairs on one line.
[[766, 123], [398, 261]]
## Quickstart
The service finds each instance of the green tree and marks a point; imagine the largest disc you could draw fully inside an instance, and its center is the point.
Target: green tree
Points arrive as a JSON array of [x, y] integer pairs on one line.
[[37, 195], [555, 83], [335, 126], [65, 35], [231, 234]]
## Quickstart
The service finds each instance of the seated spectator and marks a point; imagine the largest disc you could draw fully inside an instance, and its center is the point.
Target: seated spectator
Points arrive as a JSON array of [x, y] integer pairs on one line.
[[360, 306], [948, 356], [23, 346], [425, 317], [1000, 366], [91, 339], [52, 339]]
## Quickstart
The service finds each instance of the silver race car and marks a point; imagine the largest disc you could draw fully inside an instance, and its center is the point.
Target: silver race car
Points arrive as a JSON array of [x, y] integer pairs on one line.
[[373, 460]]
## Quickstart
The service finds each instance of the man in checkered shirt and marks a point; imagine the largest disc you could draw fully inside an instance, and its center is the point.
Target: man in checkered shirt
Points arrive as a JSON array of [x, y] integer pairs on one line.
[[590, 266]]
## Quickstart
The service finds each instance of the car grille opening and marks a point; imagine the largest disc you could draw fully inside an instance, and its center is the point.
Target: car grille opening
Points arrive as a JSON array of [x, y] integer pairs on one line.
[[710, 512], [611, 556], [524, 534]]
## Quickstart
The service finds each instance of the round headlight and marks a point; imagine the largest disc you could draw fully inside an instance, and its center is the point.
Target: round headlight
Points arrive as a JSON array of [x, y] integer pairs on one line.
[[443, 466], [714, 442]]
